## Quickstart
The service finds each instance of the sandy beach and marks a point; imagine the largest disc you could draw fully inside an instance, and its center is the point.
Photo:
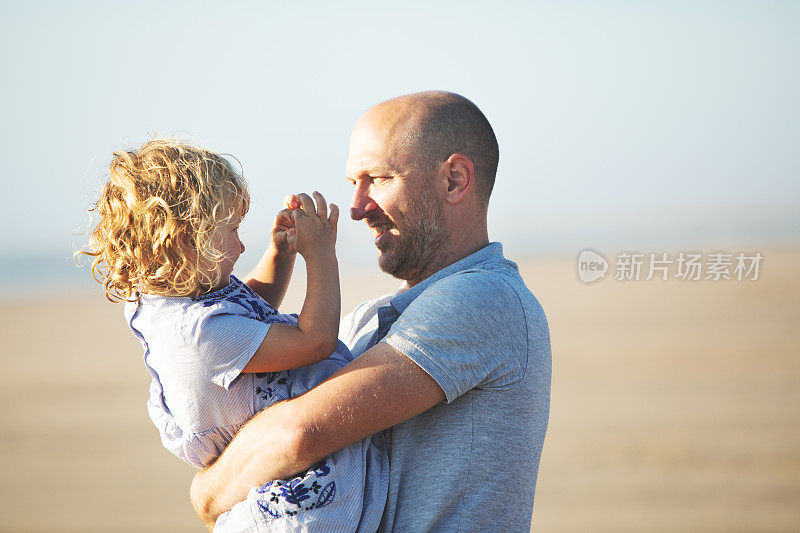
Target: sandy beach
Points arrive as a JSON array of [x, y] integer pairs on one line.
[[675, 407]]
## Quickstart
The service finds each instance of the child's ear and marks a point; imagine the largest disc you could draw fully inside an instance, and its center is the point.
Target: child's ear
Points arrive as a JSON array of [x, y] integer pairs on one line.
[[186, 243]]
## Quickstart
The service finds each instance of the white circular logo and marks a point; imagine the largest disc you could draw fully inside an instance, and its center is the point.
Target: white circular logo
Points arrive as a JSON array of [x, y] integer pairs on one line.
[[591, 266]]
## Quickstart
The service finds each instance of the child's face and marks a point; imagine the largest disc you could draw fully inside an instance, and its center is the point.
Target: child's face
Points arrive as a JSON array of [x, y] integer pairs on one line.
[[226, 240]]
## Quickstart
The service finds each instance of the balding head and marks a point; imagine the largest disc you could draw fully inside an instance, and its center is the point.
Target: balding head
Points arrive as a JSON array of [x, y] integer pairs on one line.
[[429, 127], [423, 167]]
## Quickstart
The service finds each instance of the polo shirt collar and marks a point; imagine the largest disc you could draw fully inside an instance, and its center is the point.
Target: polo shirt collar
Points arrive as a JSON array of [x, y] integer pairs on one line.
[[403, 299]]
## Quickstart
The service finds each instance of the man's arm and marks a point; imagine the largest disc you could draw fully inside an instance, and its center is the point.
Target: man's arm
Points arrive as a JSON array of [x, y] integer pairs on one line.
[[379, 389]]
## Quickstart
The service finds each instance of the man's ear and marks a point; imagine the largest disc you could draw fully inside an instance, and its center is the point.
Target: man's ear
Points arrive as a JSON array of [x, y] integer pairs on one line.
[[460, 177]]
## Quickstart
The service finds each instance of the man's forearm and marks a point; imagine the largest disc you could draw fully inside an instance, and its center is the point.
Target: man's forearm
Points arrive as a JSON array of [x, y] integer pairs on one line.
[[253, 457], [379, 389]]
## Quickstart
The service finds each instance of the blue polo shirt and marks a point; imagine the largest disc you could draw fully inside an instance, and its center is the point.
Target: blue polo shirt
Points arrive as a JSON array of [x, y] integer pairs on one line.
[[471, 462]]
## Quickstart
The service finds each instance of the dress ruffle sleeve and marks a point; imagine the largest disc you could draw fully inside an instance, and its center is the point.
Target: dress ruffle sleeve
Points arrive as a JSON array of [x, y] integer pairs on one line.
[[198, 449]]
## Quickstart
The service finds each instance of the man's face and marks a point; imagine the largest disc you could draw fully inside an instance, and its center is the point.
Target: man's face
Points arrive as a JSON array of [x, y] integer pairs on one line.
[[393, 196]]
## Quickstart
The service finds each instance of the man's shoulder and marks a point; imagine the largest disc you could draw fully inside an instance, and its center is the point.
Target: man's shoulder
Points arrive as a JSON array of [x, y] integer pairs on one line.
[[493, 281], [493, 288], [470, 328]]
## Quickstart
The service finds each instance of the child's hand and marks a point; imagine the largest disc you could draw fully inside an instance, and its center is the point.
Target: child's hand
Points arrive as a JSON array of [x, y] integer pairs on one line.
[[315, 229], [283, 230]]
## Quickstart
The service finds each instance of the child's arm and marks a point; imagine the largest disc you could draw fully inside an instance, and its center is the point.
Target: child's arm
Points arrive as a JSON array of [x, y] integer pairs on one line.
[[315, 336], [270, 278]]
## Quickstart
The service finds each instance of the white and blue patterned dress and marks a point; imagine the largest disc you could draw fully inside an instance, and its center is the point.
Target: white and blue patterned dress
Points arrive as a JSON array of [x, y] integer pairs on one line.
[[195, 350]]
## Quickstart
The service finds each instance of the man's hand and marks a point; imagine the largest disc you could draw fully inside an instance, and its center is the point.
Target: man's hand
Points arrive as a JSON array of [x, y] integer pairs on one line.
[[380, 389]]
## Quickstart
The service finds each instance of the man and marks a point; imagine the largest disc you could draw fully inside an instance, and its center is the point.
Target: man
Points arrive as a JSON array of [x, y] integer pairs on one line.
[[456, 363]]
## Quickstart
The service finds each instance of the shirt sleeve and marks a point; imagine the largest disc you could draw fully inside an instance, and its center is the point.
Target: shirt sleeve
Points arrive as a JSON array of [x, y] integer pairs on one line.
[[225, 343], [466, 331]]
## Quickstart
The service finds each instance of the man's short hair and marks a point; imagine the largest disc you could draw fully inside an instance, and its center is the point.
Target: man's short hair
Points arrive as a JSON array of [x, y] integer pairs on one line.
[[452, 124]]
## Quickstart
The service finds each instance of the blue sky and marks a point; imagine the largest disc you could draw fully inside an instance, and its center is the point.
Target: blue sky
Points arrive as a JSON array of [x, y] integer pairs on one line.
[[621, 124]]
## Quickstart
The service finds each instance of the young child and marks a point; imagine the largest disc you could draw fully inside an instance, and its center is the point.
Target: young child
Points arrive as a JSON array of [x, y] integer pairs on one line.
[[217, 349]]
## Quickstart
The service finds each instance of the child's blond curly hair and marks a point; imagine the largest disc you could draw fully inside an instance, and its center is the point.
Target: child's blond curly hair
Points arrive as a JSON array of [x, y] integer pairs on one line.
[[157, 215]]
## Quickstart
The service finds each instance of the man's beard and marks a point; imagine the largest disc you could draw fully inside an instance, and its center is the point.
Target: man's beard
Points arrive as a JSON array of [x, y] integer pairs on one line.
[[423, 239]]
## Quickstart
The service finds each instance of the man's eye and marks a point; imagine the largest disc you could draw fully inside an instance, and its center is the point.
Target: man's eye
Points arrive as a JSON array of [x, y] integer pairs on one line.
[[380, 179]]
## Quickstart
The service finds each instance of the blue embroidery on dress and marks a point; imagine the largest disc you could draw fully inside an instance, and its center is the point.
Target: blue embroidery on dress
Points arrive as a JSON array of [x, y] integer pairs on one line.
[[240, 294], [273, 380], [254, 308], [289, 497], [215, 296], [295, 492], [327, 494]]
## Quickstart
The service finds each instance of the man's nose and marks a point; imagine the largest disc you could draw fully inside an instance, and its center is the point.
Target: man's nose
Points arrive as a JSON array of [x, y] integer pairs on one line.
[[361, 203]]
